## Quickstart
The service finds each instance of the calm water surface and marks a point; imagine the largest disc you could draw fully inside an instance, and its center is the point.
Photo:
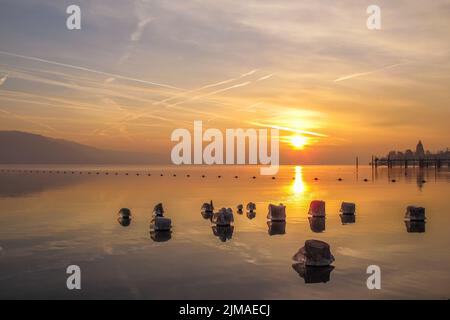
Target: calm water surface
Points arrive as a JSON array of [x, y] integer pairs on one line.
[[49, 221]]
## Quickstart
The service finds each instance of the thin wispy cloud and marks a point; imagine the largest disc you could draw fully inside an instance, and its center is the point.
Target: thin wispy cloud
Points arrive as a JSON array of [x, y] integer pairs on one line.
[[306, 132], [3, 78], [137, 34], [361, 74], [65, 65]]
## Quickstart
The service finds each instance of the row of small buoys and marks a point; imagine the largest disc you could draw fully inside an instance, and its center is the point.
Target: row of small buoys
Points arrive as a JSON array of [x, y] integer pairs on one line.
[[143, 174]]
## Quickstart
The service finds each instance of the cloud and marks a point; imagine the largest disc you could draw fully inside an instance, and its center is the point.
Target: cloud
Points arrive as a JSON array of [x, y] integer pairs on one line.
[[65, 65], [3, 78], [356, 75], [137, 34]]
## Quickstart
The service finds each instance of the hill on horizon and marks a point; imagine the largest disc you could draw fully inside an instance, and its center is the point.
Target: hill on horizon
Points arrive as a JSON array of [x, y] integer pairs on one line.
[[17, 147]]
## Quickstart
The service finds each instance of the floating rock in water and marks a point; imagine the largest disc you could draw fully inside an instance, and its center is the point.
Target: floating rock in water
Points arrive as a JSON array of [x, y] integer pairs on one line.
[[415, 226], [160, 224], [224, 233], [125, 213], [317, 208], [317, 224], [251, 207], [276, 227], [276, 213], [223, 218], [124, 222], [158, 211], [313, 274], [348, 218], [348, 208], [160, 236], [415, 213], [240, 208], [315, 253], [251, 214]]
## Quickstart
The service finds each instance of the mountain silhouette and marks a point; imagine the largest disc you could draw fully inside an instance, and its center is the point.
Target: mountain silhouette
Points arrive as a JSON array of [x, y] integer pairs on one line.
[[18, 147]]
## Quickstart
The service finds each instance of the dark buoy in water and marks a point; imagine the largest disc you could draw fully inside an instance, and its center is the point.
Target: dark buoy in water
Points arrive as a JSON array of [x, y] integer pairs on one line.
[[339, 179], [207, 210], [161, 175], [273, 178], [251, 207], [174, 175], [393, 180], [158, 210], [254, 177], [188, 175], [317, 208], [276, 213], [314, 253], [240, 208], [137, 174], [223, 218], [125, 213], [316, 179], [236, 177], [424, 181], [415, 213], [203, 175], [149, 175], [365, 180], [219, 177]]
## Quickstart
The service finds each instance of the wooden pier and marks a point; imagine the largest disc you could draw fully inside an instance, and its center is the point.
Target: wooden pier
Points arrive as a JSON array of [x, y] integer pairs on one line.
[[411, 162]]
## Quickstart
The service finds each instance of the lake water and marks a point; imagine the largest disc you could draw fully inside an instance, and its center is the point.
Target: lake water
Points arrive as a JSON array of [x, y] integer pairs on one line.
[[49, 221]]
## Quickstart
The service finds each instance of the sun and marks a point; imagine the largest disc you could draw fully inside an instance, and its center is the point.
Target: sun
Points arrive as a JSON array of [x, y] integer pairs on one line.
[[298, 141]]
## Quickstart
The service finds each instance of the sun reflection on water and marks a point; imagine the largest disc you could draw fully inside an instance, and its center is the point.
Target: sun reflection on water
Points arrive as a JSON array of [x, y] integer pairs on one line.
[[298, 186]]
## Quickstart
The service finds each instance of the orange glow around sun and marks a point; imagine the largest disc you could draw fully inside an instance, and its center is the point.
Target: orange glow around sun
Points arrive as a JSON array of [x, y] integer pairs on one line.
[[298, 141]]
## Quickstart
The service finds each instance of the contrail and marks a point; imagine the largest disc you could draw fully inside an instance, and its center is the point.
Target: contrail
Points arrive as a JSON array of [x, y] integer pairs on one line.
[[3, 79], [28, 120], [289, 129], [65, 65], [265, 77], [355, 75]]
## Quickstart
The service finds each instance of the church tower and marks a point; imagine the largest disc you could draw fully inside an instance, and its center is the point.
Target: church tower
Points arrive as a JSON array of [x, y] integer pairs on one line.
[[420, 151]]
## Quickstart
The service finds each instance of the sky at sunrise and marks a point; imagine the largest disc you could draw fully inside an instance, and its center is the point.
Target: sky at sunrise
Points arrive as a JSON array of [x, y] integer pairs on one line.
[[137, 70]]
